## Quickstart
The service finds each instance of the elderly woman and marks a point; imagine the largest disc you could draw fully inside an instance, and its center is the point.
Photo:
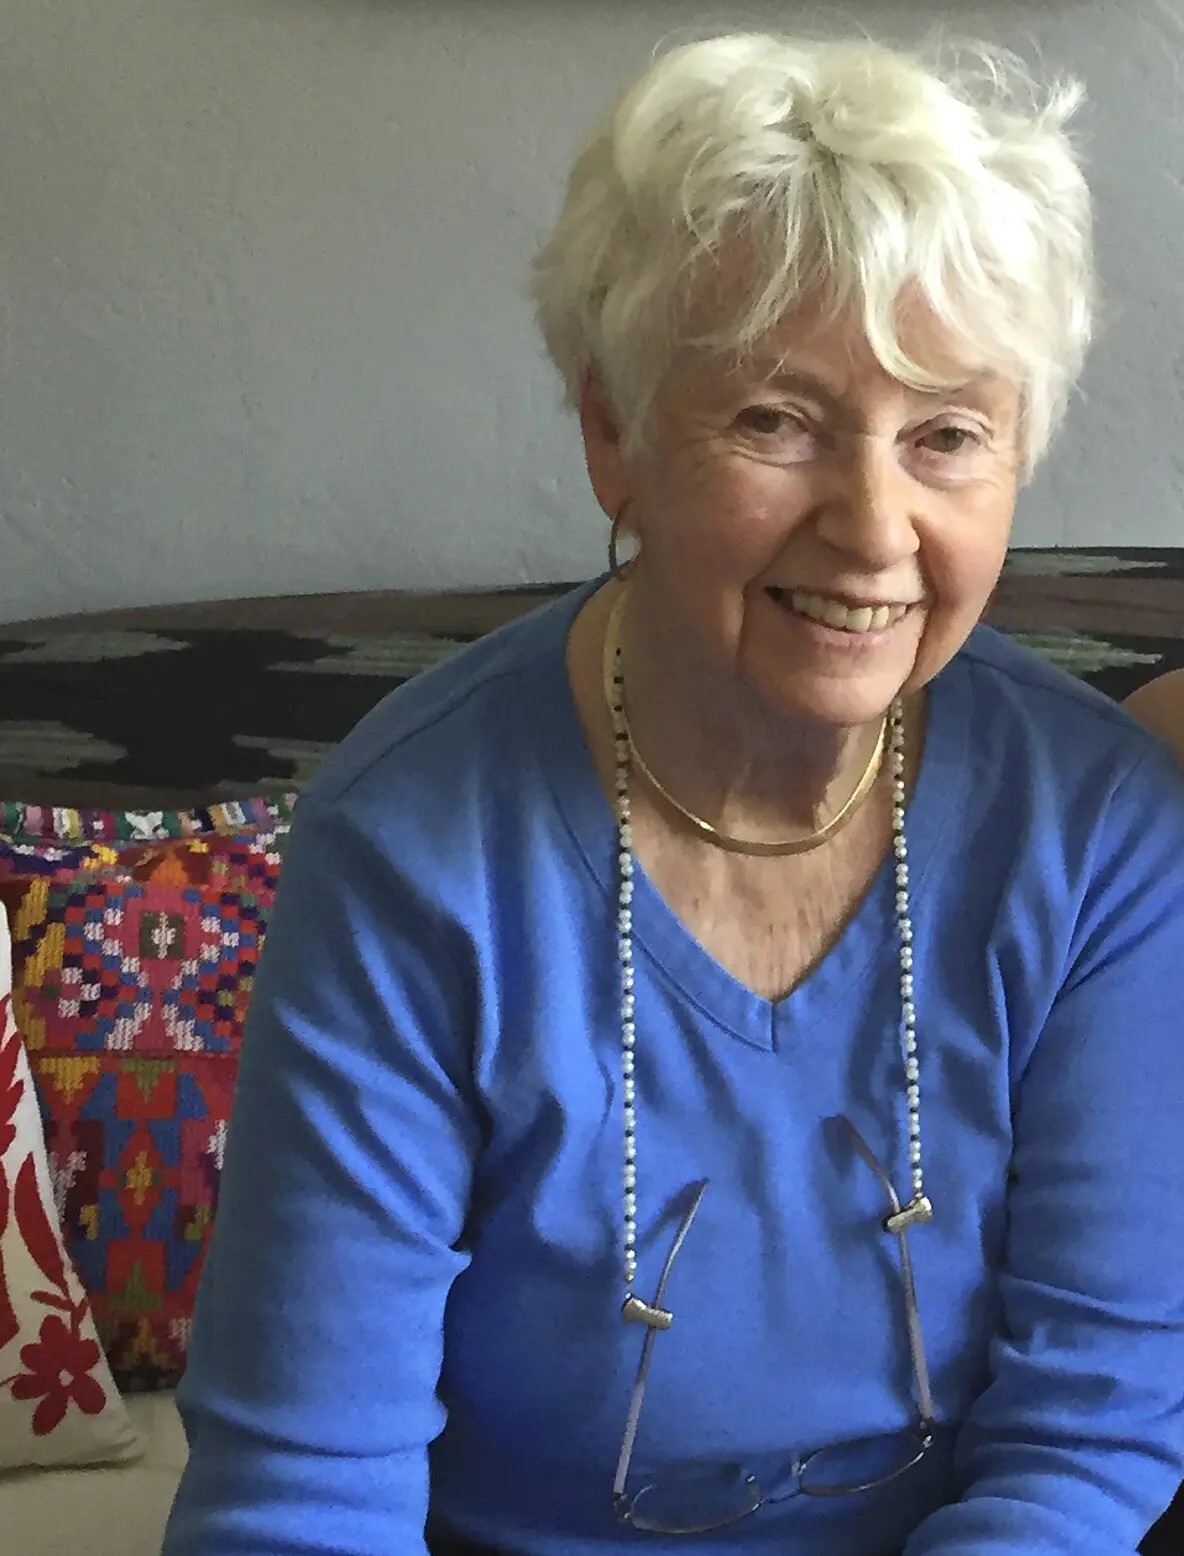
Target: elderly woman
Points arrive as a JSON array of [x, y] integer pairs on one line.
[[716, 1070]]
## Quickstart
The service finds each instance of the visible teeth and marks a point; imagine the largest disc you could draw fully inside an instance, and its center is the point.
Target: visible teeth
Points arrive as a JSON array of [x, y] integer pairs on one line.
[[833, 613]]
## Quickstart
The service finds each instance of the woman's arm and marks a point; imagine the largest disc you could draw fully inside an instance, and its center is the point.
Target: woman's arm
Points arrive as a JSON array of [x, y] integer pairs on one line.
[[310, 1396], [1160, 706], [1076, 1444]]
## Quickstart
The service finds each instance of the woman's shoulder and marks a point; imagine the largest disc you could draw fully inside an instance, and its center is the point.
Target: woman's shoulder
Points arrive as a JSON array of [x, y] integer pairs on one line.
[[1044, 743], [458, 720], [1065, 799], [1023, 695]]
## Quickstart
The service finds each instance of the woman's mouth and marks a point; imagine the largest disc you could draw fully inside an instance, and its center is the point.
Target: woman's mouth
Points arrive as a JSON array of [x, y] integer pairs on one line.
[[838, 614]]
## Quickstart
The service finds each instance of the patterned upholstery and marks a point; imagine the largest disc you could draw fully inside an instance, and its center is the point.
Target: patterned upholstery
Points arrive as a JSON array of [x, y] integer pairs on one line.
[[134, 964]]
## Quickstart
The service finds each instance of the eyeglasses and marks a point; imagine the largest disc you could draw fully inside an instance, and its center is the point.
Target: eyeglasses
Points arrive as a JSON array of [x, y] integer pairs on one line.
[[702, 1503]]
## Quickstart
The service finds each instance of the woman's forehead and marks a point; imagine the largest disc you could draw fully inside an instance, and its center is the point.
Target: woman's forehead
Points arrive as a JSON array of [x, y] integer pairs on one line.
[[825, 353]]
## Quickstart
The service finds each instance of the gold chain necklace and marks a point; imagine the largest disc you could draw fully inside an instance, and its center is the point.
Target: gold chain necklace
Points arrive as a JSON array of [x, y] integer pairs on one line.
[[754, 847]]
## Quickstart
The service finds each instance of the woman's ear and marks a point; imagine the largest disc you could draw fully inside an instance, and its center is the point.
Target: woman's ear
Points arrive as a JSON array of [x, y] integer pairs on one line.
[[603, 451]]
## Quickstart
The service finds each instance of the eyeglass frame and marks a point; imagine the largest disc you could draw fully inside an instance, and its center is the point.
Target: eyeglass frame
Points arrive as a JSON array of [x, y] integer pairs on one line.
[[656, 1317]]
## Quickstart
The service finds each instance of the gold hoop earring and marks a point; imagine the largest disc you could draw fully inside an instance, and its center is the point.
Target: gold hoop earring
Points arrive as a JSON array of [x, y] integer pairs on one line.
[[620, 570]]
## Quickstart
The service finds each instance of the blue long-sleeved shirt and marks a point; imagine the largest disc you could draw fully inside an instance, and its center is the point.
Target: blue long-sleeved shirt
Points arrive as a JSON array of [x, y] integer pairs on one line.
[[413, 1296]]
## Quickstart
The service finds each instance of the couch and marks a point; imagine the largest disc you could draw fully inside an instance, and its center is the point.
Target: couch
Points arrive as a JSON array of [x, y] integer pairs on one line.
[[116, 1510]]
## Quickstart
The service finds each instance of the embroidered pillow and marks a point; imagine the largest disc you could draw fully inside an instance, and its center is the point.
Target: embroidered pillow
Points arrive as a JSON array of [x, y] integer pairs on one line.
[[58, 1402], [134, 963]]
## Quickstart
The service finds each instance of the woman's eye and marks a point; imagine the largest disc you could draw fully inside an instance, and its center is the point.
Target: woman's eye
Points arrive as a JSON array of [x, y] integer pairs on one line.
[[768, 420], [949, 440]]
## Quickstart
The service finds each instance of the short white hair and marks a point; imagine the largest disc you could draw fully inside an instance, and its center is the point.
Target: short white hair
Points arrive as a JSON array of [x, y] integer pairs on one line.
[[851, 171]]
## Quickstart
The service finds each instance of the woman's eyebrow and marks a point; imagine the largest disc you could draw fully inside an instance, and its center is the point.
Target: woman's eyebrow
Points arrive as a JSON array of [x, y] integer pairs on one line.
[[800, 381]]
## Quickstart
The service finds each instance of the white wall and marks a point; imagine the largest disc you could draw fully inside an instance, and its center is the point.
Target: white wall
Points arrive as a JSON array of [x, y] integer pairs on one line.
[[262, 319]]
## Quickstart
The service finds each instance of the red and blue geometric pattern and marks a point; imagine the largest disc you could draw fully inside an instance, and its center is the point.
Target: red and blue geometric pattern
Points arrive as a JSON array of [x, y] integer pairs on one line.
[[133, 970]]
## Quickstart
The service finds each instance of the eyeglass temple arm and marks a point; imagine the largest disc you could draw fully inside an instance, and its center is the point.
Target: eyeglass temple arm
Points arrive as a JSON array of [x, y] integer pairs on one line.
[[637, 1397], [912, 1310]]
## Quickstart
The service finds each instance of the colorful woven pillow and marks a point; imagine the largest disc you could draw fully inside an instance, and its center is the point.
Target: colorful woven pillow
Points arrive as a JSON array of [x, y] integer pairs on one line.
[[58, 1403], [133, 967]]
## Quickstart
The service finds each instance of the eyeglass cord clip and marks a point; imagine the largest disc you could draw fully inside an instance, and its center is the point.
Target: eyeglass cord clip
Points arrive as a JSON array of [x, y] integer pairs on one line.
[[636, 1311]]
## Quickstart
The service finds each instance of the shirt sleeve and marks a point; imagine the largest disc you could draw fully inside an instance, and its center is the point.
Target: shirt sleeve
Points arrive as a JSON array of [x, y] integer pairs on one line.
[[310, 1396], [1076, 1444]]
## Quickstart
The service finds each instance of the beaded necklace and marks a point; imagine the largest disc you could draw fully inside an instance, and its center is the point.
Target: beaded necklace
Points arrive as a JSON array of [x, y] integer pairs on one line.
[[919, 1208]]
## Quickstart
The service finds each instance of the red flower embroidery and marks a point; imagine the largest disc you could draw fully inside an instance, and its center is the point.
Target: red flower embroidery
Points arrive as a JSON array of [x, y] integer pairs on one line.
[[58, 1366], [11, 1092]]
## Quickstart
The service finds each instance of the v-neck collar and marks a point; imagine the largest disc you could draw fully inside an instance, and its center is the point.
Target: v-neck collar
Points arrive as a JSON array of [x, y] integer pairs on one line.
[[570, 774]]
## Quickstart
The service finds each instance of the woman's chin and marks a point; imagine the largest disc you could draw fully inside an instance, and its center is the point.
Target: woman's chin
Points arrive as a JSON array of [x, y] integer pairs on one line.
[[838, 707], [844, 696]]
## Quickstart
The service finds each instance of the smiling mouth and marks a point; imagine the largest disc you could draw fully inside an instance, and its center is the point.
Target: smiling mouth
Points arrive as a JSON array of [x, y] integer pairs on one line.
[[837, 614]]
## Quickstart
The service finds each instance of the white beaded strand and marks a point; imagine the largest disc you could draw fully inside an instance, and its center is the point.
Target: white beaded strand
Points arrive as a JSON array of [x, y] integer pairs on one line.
[[919, 1208], [625, 965], [904, 929]]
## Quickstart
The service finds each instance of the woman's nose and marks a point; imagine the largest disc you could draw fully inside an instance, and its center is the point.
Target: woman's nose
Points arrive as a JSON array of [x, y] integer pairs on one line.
[[869, 511]]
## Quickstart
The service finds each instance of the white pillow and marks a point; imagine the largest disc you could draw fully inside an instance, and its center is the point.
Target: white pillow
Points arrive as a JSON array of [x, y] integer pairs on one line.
[[58, 1404]]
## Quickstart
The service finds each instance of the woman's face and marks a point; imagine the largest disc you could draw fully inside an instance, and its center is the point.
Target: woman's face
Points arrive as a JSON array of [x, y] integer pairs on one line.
[[809, 524]]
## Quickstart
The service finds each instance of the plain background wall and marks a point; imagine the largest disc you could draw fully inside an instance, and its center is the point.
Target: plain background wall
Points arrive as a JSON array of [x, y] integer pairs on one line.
[[262, 315]]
